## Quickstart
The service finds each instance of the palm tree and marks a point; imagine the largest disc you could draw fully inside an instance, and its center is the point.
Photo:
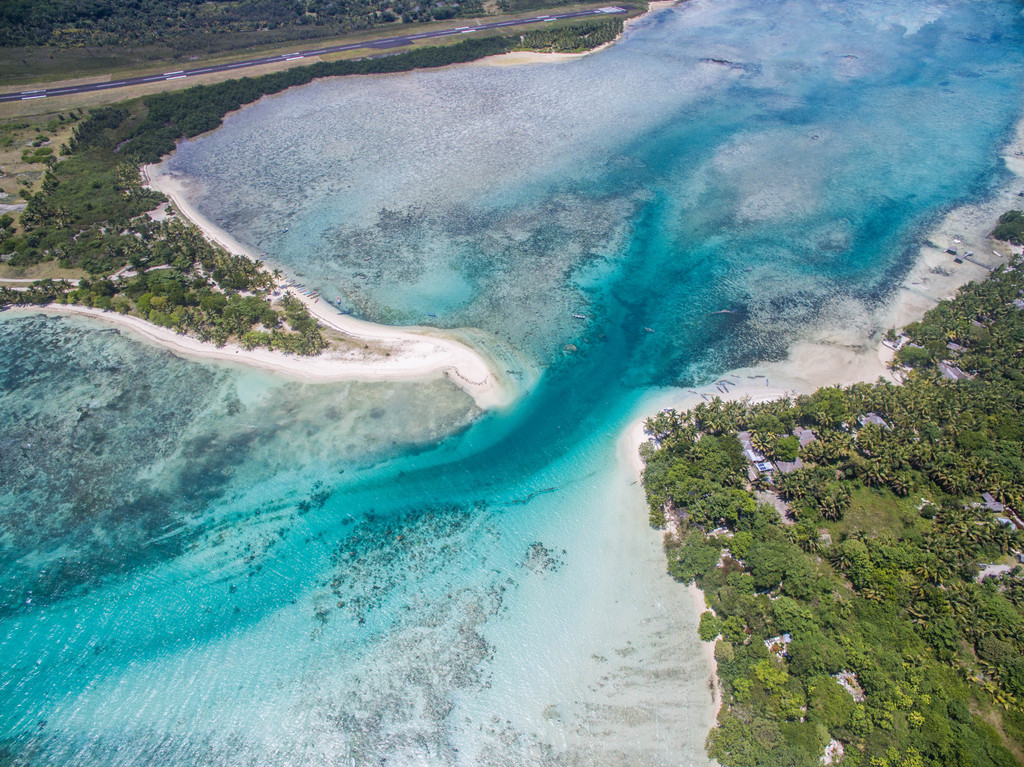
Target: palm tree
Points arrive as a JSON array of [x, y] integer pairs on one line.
[[902, 483], [927, 572], [763, 443], [839, 558], [872, 594], [919, 617]]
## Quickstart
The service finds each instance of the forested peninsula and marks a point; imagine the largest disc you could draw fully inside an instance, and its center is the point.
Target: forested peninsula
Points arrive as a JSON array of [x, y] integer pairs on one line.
[[859, 549], [91, 211]]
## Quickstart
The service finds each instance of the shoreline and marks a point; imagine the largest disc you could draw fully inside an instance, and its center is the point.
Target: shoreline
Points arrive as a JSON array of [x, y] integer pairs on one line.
[[518, 58], [410, 365], [409, 352], [851, 350]]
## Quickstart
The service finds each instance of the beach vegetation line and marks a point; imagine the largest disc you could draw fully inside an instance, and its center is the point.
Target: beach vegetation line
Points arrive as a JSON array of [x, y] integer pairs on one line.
[[866, 594]]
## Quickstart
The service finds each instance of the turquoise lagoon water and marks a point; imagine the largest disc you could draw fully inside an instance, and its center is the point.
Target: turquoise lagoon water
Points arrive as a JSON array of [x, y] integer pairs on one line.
[[208, 565]]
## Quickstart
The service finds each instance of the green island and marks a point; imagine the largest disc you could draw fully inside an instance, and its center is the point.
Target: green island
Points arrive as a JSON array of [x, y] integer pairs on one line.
[[88, 215], [859, 549]]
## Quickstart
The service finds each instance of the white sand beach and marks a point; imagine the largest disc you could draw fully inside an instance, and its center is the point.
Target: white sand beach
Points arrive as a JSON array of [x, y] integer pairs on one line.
[[517, 58], [396, 353], [409, 356]]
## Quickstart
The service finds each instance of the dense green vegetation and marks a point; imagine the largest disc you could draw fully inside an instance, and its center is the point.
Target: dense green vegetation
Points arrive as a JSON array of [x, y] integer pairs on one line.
[[198, 25], [859, 615], [89, 215], [178, 280], [1011, 227], [577, 38]]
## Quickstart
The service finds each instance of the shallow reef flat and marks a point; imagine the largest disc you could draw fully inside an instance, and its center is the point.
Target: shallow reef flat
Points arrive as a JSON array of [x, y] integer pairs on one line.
[[380, 573]]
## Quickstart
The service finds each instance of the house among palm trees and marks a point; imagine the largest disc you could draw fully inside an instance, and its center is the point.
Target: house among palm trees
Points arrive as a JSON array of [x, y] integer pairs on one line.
[[1006, 516], [788, 467], [895, 343], [992, 504], [759, 463], [751, 452], [874, 418], [952, 372], [777, 645], [806, 437], [849, 682]]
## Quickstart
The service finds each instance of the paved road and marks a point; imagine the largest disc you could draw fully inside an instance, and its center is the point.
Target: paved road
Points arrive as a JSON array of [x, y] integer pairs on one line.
[[385, 42]]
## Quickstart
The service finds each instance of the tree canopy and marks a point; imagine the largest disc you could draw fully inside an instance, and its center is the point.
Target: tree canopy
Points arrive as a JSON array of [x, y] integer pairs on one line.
[[859, 615]]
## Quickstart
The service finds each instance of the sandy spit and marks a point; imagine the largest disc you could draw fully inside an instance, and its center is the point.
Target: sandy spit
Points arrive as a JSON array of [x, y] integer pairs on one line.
[[397, 353]]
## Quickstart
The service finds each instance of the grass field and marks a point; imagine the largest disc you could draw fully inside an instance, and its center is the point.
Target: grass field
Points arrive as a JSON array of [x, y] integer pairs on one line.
[[13, 275], [20, 141], [878, 511]]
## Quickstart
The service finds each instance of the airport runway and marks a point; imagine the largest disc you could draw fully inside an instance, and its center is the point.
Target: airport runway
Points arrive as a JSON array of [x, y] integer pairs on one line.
[[385, 42]]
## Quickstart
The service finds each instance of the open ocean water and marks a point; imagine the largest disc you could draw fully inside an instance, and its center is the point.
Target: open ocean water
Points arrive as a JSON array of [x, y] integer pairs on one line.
[[206, 565]]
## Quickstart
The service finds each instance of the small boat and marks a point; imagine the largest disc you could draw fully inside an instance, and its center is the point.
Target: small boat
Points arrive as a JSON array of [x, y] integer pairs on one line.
[[649, 330], [338, 300], [285, 230], [431, 314], [748, 269], [579, 316]]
